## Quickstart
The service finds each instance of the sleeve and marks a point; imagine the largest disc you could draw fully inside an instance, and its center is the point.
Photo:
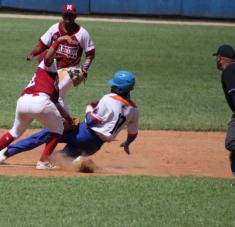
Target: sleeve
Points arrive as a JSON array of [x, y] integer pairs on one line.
[[86, 42], [133, 124], [229, 80], [46, 38], [99, 114], [231, 102]]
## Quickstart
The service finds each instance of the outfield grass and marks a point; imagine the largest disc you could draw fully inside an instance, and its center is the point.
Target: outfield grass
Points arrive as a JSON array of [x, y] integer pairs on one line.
[[178, 86], [116, 201]]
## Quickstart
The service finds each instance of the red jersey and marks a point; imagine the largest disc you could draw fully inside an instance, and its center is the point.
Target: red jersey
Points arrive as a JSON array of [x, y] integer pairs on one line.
[[45, 80], [69, 54]]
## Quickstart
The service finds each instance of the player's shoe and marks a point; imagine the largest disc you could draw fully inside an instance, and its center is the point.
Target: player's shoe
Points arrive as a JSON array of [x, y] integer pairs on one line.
[[76, 163], [3, 157], [45, 165]]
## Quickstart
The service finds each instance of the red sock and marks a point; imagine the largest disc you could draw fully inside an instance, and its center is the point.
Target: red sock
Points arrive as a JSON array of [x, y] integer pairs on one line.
[[5, 140], [50, 146]]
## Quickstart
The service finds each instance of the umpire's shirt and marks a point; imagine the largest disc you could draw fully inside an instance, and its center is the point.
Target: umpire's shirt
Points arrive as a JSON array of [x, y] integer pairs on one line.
[[228, 83]]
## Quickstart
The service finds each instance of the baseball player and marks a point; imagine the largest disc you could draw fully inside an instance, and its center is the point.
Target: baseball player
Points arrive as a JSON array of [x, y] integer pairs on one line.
[[39, 100], [68, 54], [225, 61], [104, 120]]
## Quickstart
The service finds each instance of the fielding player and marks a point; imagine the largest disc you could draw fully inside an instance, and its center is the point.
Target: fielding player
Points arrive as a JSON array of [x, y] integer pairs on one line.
[[68, 54], [39, 100]]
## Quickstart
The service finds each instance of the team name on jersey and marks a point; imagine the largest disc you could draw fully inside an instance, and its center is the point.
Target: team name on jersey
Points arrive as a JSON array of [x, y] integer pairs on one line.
[[69, 52]]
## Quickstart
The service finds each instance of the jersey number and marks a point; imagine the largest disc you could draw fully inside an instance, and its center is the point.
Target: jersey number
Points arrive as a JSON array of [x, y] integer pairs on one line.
[[121, 120], [32, 81]]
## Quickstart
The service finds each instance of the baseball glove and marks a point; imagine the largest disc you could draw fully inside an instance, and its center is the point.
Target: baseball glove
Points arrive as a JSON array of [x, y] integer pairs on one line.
[[70, 126], [77, 76]]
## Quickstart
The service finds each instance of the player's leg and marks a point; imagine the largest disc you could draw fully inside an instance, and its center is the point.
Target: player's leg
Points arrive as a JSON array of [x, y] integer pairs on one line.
[[22, 120], [84, 142], [28, 143], [51, 118], [65, 84], [34, 141], [230, 143]]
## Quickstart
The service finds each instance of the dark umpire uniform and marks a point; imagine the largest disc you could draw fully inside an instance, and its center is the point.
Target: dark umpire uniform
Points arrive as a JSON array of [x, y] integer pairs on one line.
[[225, 59]]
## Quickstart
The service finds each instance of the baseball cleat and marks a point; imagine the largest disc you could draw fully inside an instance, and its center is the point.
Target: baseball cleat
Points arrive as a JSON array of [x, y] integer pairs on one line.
[[45, 165], [76, 163], [3, 157]]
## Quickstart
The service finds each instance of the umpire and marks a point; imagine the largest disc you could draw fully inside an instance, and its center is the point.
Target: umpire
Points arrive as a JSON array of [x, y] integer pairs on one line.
[[225, 61]]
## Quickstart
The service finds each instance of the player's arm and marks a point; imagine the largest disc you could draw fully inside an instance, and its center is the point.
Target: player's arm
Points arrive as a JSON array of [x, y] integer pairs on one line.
[[64, 113], [232, 100], [132, 128], [49, 58], [96, 113], [88, 60], [37, 50], [130, 138], [88, 45], [92, 119], [229, 82], [43, 43]]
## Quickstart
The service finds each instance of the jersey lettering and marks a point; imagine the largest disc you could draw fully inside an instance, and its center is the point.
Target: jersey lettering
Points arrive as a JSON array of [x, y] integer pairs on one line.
[[69, 52]]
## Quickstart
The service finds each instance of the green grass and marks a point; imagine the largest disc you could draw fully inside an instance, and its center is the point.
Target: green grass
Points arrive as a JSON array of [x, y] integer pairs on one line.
[[116, 201], [178, 86]]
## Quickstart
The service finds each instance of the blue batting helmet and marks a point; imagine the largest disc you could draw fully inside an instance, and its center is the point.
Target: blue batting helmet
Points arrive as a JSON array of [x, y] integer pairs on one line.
[[124, 81]]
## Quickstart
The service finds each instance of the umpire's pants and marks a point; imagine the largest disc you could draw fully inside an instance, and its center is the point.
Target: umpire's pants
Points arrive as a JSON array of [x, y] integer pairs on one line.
[[230, 142]]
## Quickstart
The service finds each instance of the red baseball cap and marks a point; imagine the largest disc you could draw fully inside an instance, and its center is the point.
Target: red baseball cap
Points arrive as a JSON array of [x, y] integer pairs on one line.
[[69, 8]]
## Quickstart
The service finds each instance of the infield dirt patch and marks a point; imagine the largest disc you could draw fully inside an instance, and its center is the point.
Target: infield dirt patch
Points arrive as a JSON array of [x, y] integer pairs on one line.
[[154, 153]]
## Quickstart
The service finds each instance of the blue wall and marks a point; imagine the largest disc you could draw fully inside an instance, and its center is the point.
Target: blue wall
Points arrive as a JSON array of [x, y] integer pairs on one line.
[[188, 8], [46, 5], [151, 7], [209, 8]]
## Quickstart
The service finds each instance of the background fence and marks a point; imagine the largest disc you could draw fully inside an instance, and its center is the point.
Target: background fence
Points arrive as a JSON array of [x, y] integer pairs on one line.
[[224, 9]]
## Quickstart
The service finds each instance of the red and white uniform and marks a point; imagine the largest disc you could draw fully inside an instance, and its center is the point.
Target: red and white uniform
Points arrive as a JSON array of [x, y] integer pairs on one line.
[[38, 100], [113, 113], [45, 80], [69, 54]]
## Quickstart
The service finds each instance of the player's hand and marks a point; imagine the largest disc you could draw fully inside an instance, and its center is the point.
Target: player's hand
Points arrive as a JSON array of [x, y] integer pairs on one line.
[[85, 73], [29, 57], [65, 38], [126, 147], [94, 103]]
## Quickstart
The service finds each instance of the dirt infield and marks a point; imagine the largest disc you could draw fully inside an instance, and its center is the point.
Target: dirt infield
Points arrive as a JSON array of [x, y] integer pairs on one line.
[[154, 153]]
